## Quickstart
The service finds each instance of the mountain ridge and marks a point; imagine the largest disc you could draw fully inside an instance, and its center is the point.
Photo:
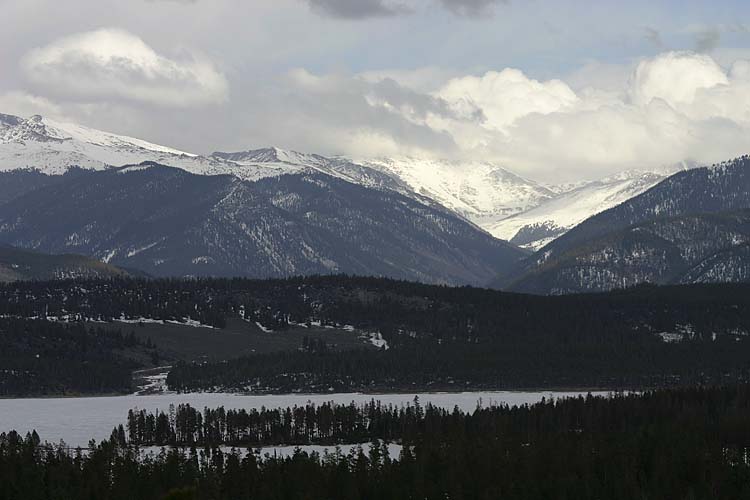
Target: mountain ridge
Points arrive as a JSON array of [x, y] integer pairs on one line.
[[170, 222], [682, 230], [487, 194]]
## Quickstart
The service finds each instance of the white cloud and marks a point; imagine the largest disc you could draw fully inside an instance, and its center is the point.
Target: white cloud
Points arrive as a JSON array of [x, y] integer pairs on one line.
[[20, 103], [115, 64], [507, 95], [599, 120], [675, 77], [673, 107], [650, 113]]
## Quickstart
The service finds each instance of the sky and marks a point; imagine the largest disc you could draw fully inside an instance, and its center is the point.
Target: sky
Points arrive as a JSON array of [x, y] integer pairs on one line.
[[554, 90]]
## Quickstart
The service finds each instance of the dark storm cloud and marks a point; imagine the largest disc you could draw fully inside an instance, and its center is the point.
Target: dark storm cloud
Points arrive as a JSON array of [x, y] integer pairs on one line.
[[471, 8], [357, 9]]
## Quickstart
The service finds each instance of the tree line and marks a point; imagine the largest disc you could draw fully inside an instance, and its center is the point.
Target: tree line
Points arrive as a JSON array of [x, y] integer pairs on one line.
[[690, 443], [635, 362], [395, 308], [440, 337]]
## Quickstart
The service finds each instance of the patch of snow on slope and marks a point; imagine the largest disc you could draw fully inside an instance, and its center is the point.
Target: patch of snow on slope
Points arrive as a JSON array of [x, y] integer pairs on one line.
[[186, 321], [376, 339], [263, 328]]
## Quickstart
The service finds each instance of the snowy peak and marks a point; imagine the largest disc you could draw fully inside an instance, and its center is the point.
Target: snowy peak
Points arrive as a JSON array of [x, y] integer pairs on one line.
[[53, 147], [482, 192], [285, 161], [39, 129], [19, 130], [271, 155], [79, 133]]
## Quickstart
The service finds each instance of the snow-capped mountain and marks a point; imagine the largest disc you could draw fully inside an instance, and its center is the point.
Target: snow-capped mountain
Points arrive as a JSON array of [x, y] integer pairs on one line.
[[52, 148], [283, 161], [511, 207], [502, 203], [482, 192], [540, 225]]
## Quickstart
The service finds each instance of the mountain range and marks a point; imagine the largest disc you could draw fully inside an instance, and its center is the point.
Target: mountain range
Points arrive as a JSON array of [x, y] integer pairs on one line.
[[506, 205], [274, 213]]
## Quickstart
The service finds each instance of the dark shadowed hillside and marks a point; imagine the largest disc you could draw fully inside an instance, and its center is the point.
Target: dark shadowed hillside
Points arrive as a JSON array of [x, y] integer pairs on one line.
[[691, 228], [169, 222]]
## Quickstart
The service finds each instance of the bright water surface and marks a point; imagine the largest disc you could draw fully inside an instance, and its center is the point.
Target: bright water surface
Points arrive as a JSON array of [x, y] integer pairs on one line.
[[77, 420]]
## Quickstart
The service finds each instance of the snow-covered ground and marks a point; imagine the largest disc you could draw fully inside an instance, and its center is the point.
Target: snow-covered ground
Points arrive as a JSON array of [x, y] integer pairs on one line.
[[77, 420], [151, 381]]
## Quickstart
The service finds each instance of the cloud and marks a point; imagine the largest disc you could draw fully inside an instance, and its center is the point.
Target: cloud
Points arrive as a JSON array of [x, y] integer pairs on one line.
[[653, 113], [678, 106], [20, 103], [357, 9], [673, 107], [352, 115], [470, 8], [507, 95], [675, 77], [111, 64], [707, 40], [364, 9]]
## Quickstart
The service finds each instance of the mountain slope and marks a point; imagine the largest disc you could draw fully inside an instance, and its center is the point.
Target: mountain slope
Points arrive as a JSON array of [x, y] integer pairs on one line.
[[540, 225], [511, 207], [18, 264], [290, 162], [479, 191], [686, 229], [169, 222]]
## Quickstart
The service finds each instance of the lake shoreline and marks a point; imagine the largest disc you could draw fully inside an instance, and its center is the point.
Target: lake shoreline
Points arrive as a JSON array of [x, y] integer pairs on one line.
[[373, 393]]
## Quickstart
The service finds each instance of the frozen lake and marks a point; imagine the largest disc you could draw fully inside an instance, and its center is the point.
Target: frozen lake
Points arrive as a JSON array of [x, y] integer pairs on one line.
[[77, 420]]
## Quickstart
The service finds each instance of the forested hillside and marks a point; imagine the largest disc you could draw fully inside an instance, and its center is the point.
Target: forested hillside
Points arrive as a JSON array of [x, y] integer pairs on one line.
[[18, 264], [41, 357], [690, 228], [437, 337], [168, 222]]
